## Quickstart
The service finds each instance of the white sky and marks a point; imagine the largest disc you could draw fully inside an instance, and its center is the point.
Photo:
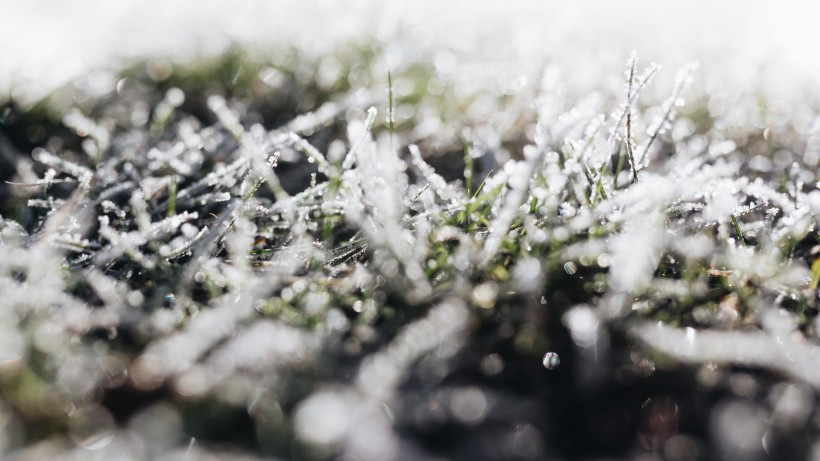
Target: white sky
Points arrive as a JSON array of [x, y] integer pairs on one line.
[[43, 43]]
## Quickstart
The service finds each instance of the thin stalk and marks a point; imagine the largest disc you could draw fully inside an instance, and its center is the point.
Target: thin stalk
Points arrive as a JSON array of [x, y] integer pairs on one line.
[[669, 113], [390, 110], [618, 168], [629, 120], [469, 168], [737, 230], [172, 197]]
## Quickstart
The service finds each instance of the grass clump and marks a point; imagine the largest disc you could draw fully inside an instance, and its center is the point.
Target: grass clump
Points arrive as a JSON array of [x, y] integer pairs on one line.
[[245, 259]]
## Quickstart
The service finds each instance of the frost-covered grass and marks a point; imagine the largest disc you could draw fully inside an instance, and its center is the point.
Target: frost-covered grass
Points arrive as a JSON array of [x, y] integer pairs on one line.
[[256, 258]]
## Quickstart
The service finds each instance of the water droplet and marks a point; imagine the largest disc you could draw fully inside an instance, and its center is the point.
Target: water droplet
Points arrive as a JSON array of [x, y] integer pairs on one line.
[[551, 360]]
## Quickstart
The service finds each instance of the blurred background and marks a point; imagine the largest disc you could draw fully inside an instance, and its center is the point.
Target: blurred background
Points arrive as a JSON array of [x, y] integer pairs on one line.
[[45, 43]]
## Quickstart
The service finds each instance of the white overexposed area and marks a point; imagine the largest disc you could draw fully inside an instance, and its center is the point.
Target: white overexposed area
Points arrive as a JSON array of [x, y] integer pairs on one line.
[[45, 43]]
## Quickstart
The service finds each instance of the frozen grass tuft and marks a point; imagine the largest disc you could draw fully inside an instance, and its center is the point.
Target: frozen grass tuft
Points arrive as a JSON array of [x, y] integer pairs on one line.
[[296, 268]]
